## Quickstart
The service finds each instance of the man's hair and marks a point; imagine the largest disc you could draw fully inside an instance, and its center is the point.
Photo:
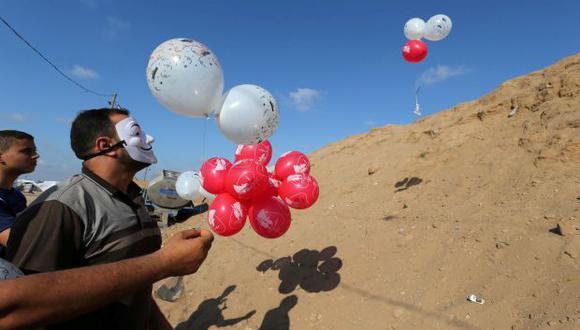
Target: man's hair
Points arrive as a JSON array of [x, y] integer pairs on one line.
[[8, 136], [88, 126]]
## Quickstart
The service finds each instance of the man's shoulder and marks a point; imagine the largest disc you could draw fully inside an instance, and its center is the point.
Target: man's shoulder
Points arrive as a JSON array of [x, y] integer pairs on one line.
[[66, 197], [65, 191]]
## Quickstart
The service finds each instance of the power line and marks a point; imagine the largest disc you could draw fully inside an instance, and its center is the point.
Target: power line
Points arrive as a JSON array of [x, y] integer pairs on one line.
[[50, 63]]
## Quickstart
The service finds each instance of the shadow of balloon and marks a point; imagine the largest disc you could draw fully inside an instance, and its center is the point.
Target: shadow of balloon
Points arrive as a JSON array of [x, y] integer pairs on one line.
[[311, 270], [407, 183]]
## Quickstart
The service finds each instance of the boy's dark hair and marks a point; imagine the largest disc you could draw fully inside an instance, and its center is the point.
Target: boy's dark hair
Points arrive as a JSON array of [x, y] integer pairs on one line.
[[8, 136], [88, 126]]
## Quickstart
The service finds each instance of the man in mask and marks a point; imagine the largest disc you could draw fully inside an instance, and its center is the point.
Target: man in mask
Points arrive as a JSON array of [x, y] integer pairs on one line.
[[95, 217]]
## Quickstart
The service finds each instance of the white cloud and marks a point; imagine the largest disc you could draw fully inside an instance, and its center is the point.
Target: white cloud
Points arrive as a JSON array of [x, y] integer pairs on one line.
[[83, 73], [439, 74], [115, 26], [304, 98], [14, 117]]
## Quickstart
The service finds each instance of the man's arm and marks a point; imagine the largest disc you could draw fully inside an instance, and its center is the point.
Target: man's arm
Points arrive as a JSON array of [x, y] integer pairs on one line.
[[40, 299], [46, 237]]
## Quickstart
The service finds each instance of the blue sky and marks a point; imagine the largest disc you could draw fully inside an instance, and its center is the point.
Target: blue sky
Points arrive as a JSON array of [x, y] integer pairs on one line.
[[335, 67]]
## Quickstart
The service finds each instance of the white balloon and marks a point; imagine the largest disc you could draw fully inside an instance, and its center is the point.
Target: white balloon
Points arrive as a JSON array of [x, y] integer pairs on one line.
[[188, 185], [249, 114], [438, 27], [204, 193], [186, 77], [414, 28]]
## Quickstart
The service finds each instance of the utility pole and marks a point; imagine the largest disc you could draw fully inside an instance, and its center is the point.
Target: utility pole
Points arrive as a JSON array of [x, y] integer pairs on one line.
[[113, 101]]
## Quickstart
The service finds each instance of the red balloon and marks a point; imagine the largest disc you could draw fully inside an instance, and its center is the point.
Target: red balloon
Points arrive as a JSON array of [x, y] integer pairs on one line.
[[299, 191], [415, 51], [261, 152], [271, 189], [247, 179], [213, 174], [292, 162], [273, 185], [226, 215], [270, 217], [247, 203]]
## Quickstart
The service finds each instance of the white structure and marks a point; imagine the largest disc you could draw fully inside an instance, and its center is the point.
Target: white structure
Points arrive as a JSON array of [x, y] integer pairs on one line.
[[31, 186]]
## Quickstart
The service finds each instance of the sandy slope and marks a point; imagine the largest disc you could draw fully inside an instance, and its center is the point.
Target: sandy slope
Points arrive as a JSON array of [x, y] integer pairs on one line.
[[475, 215]]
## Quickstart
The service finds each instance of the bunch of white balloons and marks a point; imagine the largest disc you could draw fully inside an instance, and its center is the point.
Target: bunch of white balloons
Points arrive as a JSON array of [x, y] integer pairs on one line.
[[437, 28], [186, 77]]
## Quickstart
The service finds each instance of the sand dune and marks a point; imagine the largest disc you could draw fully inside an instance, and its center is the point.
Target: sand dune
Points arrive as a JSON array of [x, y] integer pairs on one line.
[[414, 218]]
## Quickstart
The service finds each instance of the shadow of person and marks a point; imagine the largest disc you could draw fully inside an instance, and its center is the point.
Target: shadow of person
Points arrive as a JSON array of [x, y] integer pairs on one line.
[[278, 318], [210, 312]]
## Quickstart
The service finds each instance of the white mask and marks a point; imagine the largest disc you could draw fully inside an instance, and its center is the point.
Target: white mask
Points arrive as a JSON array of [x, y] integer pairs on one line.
[[137, 143]]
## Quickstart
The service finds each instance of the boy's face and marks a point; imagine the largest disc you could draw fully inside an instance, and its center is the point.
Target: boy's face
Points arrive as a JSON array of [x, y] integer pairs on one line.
[[20, 157]]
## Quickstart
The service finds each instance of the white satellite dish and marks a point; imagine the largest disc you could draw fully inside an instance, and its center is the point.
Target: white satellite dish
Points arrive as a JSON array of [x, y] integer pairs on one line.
[[161, 191]]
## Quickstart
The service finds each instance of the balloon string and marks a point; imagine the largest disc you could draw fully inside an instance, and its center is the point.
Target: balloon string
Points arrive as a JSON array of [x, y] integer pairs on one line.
[[204, 137], [417, 106], [203, 144]]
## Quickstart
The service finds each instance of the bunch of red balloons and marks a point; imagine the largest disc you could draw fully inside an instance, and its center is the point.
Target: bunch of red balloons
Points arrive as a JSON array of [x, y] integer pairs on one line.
[[246, 189]]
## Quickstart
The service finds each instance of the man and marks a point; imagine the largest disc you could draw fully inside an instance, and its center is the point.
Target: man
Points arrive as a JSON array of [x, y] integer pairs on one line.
[[95, 217], [17, 156], [41, 299]]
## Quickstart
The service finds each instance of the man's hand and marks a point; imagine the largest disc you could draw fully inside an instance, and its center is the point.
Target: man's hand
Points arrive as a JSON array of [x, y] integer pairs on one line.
[[183, 253]]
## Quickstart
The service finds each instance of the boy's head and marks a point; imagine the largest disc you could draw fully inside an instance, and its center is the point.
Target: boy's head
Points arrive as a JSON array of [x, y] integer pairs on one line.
[[18, 153]]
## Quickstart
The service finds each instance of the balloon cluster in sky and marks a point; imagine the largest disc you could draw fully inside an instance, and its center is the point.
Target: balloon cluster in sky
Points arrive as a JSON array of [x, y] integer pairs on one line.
[[437, 28], [246, 189], [186, 77]]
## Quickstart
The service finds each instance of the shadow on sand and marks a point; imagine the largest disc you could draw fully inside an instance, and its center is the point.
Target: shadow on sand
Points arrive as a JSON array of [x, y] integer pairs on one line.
[[407, 183], [278, 317], [209, 313], [312, 270]]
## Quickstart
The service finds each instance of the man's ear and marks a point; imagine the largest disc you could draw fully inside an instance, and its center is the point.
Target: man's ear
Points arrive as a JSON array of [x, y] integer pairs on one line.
[[104, 143], [101, 143]]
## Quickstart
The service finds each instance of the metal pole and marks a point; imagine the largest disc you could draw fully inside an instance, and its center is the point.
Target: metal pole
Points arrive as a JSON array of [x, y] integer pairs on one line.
[[113, 101]]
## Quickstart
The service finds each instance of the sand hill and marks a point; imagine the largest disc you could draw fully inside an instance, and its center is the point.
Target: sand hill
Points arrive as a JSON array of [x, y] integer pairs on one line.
[[482, 199]]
